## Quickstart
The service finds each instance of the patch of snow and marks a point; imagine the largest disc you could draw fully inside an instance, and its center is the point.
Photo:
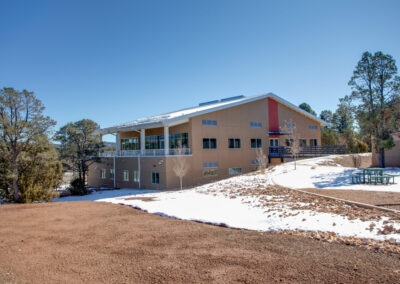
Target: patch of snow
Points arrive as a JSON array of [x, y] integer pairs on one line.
[[330, 177]]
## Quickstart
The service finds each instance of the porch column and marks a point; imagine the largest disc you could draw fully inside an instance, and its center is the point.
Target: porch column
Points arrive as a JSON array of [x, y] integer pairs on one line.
[[142, 141], [166, 140], [117, 144]]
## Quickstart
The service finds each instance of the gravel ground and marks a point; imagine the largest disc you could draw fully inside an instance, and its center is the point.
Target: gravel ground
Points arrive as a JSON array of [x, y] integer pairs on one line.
[[369, 197], [92, 242]]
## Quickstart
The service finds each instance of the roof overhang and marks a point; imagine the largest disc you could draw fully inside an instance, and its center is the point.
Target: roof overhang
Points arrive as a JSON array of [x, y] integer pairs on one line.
[[136, 126]]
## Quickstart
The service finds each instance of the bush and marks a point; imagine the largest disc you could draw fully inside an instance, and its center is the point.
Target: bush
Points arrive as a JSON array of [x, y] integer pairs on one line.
[[78, 187]]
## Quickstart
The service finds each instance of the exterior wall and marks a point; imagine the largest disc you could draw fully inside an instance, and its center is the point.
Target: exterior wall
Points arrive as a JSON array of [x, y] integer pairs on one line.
[[302, 125], [392, 156], [233, 122]]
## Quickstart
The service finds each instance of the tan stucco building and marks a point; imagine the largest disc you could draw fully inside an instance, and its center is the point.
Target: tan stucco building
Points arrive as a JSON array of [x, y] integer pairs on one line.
[[220, 138]]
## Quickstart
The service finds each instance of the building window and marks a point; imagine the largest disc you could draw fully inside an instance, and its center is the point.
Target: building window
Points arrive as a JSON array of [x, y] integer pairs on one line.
[[178, 140], [273, 142], [103, 173], [126, 175], [234, 143], [111, 174], [155, 178], [289, 125], [235, 171], [209, 143], [210, 168], [256, 143], [209, 122], [136, 177], [130, 143], [303, 142], [313, 142], [289, 142], [312, 127], [255, 124]]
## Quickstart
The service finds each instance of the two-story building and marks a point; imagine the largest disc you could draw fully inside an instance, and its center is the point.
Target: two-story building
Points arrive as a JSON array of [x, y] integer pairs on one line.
[[220, 138]]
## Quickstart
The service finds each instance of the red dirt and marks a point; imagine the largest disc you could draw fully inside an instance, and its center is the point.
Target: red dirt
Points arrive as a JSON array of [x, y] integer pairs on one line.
[[80, 242]]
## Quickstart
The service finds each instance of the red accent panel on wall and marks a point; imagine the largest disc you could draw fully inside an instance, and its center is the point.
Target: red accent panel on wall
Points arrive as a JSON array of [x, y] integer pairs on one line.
[[273, 118]]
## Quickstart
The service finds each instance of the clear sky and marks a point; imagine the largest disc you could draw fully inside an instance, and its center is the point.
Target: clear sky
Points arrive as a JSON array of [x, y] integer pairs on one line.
[[116, 61]]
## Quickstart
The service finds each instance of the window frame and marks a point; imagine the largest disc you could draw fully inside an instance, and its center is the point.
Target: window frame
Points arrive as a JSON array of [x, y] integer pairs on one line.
[[209, 122], [103, 173], [312, 140], [155, 177], [235, 140], [302, 140], [112, 174], [209, 143], [125, 175], [136, 176], [257, 145], [255, 124], [231, 171]]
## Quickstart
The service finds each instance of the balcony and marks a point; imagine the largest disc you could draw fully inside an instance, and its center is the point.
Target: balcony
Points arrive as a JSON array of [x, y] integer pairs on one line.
[[147, 153], [307, 151]]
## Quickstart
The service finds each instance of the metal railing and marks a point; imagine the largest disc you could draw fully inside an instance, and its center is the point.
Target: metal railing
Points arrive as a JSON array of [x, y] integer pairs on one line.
[[307, 151], [147, 153]]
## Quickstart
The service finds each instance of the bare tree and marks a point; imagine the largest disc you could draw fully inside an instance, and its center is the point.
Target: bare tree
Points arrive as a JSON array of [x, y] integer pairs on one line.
[[261, 159], [293, 140], [181, 165]]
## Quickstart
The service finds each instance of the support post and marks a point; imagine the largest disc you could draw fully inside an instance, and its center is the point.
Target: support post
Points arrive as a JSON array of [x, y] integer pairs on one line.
[[117, 144], [142, 141], [166, 140]]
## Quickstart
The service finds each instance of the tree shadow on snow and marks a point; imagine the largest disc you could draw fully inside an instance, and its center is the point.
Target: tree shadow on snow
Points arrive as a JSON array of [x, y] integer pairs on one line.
[[330, 180], [102, 194]]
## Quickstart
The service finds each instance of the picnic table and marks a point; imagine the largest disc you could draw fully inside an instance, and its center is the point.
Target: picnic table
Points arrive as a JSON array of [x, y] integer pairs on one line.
[[372, 176]]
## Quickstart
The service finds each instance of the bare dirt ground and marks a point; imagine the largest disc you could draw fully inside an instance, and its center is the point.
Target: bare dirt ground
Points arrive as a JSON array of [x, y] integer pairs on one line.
[[369, 197], [86, 242]]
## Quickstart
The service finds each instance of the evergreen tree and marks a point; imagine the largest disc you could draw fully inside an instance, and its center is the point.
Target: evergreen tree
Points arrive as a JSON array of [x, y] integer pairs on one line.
[[376, 88], [80, 147], [307, 108], [326, 115], [22, 128]]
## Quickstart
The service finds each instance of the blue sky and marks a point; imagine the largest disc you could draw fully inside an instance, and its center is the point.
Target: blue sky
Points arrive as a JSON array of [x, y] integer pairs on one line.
[[115, 61]]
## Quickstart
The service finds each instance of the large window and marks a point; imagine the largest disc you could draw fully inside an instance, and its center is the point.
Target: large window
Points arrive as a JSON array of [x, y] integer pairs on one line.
[[175, 140], [130, 143], [178, 139], [210, 169], [209, 143], [255, 124], [303, 142], [234, 143], [256, 142], [155, 178], [126, 175], [136, 177], [111, 174], [313, 142], [235, 171], [103, 173], [209, 122]]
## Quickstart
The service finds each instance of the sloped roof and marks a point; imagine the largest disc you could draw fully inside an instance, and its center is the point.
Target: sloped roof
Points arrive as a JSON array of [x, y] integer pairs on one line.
[[183, 115]]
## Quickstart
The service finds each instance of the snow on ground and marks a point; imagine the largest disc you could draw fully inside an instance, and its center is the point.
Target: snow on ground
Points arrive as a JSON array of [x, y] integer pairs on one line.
[[253, 202], [312, 173]]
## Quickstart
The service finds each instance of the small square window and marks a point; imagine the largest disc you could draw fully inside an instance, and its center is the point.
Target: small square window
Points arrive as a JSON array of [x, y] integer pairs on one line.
[[234, 143], [209, 143], [256, 142], [303, 142]]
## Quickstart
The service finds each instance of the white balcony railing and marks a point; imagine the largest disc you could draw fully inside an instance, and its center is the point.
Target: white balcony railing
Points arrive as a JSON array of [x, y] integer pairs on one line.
[[147, 153]]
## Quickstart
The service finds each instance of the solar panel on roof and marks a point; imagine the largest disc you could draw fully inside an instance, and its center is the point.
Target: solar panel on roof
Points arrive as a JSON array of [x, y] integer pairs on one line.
[[232, 98], [209, 103]]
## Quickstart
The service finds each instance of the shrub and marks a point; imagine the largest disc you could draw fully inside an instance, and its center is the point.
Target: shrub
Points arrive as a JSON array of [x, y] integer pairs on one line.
[[78, 187]]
